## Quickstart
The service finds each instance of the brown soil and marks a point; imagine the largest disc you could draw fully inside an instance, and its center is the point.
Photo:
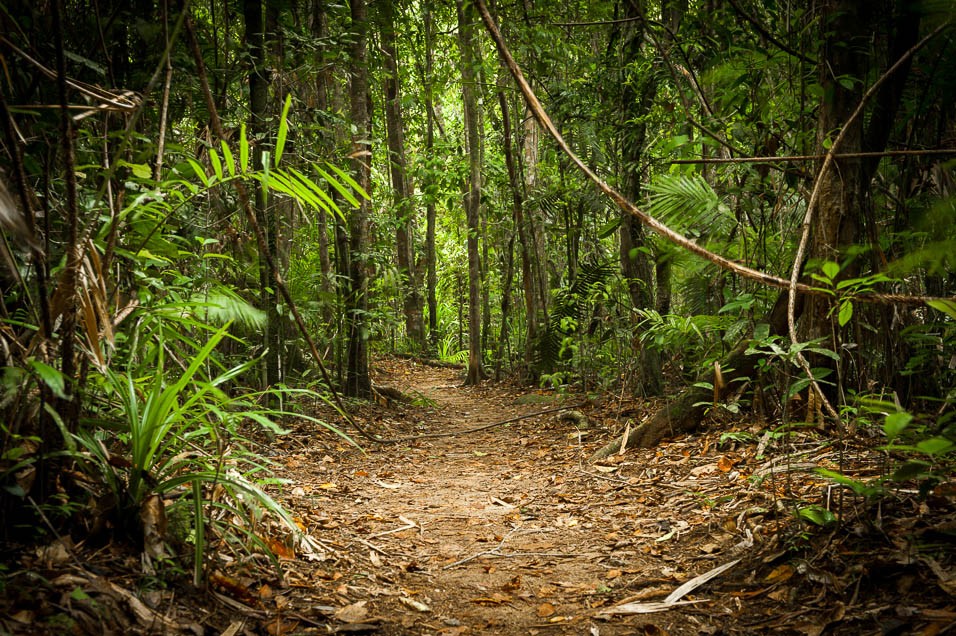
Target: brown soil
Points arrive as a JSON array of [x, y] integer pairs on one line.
[[510, 531]]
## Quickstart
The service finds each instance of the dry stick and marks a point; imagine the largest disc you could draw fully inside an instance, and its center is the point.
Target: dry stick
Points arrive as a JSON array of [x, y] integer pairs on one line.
[[651, 222], [260, 236], [808, 217], [476, 429]]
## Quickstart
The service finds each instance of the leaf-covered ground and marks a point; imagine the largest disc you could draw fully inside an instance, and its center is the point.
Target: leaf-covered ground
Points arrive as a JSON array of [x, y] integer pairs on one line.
[[512, 531]]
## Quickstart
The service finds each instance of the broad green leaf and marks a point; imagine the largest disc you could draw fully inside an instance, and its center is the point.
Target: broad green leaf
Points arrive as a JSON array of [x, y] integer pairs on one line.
[[227, 158], [858, 487], [216, 163], [243, 149], [896, 423], [139, 170], [51, 377], [830, 269], [283, 129], [935, 445], [817, 515], [912, 469], [198, 169], [944, 305], [846, 312]]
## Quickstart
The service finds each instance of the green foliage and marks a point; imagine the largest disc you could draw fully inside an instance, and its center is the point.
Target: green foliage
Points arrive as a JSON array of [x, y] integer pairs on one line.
[[181, 436], [559, 341], [689, 205]]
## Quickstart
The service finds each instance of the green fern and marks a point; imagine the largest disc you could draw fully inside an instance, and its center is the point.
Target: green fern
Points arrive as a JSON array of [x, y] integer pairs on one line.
[[689, 205], [568, 313]]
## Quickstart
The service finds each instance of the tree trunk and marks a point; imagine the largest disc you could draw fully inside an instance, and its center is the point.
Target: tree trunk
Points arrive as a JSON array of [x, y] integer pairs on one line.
[[517, 199], [252, 11], [430, 216], [636, 263], [403, 202], [357, 380], [472, 195]]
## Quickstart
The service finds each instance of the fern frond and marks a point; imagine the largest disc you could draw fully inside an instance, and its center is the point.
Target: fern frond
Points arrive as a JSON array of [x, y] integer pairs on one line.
[[689, 205]]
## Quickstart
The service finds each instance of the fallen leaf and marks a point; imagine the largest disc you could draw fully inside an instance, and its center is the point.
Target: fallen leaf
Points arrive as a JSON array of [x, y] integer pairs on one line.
[[233, 588], [415, 605], [353, 613], [280, 549], [545, 610], [725, 464], [328, 486], [23, 616], [613, 574], [279, 627], [780, 574], [495, 599], [513, 584]]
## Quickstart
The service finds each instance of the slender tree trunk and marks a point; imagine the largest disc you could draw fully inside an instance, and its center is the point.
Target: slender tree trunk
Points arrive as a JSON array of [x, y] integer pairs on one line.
[[506, 284], [258, 110], [357, 380], [401, 186], [517, 199], [472, 194], [430, 215]]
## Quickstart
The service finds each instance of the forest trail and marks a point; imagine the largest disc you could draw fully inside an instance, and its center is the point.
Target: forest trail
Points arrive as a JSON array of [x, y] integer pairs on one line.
[[508, 530]]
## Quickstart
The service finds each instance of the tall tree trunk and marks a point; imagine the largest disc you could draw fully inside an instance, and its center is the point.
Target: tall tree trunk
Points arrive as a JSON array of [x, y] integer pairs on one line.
[[357, 380], [472, 195], [517, 199], [849, 31], [845, 29], [258, 109], [401, 186], [636, 263], [430, 215]]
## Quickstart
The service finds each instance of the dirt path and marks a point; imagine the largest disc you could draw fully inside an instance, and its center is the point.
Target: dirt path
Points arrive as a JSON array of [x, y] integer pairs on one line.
[[511, 531], [506, 531]]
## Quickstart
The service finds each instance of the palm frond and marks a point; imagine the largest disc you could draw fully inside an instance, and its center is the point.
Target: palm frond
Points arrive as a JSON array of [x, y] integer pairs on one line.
[[689, 205], [223, 305]]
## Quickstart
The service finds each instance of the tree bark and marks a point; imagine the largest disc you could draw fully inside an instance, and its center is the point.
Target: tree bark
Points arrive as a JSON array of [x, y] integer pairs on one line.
[[472, 194], [637, 266], [357, 380], [431, 283], [252, 11], [401, 186], [517, 201]]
